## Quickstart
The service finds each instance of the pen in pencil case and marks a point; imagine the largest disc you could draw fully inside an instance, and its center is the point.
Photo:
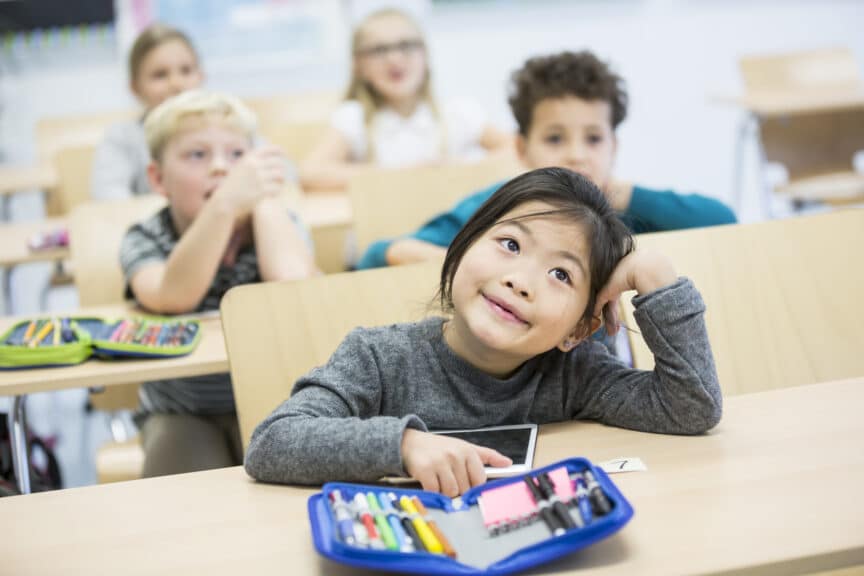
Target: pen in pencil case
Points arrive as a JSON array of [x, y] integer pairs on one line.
[[430, 542], [581, 500], [599, 501], [543, 507], [403, 539], [405, 519], [361, 509], [445, 543], [561, 512], [384, 528], [343, 518]]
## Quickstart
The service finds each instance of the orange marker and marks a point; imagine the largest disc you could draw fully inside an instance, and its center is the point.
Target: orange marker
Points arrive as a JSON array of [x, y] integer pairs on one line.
[[31, 328], [46, 329], [448, 549]]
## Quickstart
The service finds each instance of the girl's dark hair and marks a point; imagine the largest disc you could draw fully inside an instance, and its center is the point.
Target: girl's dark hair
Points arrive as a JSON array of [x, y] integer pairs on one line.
[[575, 198]]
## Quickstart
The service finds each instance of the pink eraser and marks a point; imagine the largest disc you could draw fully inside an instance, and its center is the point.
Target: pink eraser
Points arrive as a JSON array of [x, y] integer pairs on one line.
[[511, 504]]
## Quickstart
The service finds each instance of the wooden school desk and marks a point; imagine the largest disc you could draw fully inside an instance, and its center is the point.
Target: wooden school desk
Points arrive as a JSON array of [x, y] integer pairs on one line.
[[208, 358], [14, 250], [774, 489], [15, 179]]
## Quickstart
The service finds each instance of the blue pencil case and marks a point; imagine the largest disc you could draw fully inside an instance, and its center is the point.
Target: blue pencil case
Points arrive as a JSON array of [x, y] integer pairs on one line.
[[471, 538]]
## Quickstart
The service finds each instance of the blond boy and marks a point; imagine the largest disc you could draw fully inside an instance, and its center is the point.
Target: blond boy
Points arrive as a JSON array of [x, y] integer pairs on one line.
[[225, 225]]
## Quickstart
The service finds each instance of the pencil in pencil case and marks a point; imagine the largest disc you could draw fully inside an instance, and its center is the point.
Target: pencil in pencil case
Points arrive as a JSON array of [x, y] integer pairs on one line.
[[67, 341], [472, 537]]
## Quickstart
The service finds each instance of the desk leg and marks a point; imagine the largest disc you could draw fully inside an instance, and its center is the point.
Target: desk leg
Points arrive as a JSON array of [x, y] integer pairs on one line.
[[740, 146], [18, 432]]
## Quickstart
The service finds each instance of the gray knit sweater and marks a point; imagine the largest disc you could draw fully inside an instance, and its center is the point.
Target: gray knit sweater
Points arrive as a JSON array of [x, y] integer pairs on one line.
[[344, 420]]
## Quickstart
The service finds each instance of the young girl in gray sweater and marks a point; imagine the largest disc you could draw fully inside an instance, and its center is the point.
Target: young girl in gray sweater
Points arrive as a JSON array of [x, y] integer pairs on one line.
[[528, 279]]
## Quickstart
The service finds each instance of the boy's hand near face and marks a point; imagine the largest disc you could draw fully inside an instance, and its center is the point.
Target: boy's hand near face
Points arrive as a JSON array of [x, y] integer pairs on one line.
[[260, 174], [640, 270], [447, 465]]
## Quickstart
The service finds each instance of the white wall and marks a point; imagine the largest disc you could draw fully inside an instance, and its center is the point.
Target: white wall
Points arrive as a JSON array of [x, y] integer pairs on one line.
[[674, 54]]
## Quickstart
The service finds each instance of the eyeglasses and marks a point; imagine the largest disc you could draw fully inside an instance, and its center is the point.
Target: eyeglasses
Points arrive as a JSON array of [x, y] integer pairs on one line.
[[405, 48]]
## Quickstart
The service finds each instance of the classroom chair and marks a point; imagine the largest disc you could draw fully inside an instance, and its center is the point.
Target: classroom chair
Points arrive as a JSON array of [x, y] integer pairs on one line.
[[782, 297], [276, 332], [96, 231], [809, 108], [388, 203], [294, 122]]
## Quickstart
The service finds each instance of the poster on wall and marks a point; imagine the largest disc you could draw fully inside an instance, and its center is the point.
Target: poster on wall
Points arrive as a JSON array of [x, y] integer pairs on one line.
[[251, 32]]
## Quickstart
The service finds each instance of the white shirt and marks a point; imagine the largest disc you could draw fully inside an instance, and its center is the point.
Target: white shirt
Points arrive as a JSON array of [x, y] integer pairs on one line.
[[401, 142]]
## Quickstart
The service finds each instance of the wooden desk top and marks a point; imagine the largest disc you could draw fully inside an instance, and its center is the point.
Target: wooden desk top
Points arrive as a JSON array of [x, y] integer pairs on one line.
[[209, 357], [14, 237], [20, 178], [767, 104], [317, 210], [774, 489]]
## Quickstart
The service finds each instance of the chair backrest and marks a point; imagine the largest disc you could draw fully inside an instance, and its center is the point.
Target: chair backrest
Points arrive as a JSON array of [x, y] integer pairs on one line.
[[783, 298], [296, 139], [389, 203], [294, 122], [95, 232], [73, 167], [296, 107], [276, 332], [56, 133], [815, 143]]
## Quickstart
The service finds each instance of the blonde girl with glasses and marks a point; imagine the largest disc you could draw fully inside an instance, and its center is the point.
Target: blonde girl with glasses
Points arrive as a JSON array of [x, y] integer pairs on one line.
[[389, 117]]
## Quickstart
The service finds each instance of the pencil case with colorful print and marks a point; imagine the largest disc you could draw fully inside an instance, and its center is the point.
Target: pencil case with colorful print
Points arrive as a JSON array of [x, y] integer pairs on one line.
[[501, 527], [64, 341]]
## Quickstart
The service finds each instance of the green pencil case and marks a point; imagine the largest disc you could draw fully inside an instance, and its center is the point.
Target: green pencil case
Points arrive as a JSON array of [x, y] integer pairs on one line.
[[66, 341]]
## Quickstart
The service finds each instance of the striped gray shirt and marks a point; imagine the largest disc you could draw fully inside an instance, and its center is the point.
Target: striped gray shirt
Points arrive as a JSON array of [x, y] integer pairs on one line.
[[152, 241]]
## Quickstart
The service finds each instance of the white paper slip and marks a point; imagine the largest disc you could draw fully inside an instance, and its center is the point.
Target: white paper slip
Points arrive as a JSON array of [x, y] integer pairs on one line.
[[617, 465]]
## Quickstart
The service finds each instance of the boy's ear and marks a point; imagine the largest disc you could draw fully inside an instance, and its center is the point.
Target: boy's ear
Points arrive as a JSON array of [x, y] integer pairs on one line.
[[579, 334], [156, 179]]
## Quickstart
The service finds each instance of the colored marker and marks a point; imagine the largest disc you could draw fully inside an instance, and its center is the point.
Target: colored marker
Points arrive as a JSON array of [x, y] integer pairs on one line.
[[28, 334], [56, 324], [582, 500], [406, 523], [343, 518], [543, 507], [448, 549], [548, 491], [402, 538], [118, 330], [426, 535], [41, 334], [66, 332], [599, 502], [361, 509], [381, 521]]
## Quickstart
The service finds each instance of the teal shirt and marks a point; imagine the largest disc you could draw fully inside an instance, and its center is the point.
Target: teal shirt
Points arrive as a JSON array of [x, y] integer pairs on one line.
[[649, 211]]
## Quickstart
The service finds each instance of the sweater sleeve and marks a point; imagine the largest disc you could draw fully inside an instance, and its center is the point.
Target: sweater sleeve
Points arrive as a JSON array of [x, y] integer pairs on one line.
[[658, 211], [681, 395], [329, 429]]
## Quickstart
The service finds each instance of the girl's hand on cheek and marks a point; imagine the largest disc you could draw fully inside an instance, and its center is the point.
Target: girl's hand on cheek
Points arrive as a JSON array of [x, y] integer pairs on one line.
[[447, 465], [643, 271]]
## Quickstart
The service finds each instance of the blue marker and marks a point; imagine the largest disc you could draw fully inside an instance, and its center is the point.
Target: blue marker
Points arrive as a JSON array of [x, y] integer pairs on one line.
[[403, 541], [343, 518], [582, 501]]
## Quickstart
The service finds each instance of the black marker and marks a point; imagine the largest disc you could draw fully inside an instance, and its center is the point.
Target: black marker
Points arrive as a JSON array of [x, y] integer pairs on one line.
[[543, 507], [560, 510], [599, 502], [406, 523]]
